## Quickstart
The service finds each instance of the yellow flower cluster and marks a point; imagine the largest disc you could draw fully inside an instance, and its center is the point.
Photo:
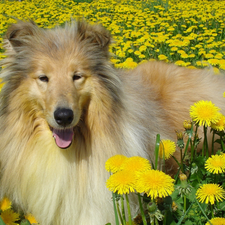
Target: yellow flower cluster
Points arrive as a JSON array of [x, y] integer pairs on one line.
[[135, 174], [187, 32], [9, 216]]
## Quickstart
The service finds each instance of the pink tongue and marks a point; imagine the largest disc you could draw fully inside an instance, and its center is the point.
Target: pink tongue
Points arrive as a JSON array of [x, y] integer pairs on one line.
[[63, 138]]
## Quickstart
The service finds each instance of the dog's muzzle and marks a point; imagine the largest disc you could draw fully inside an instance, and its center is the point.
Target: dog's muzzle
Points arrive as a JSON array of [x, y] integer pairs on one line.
[[63, 137]]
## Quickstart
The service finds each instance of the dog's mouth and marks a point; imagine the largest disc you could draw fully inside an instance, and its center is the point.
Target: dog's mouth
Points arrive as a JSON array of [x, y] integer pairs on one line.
[[63, 137]]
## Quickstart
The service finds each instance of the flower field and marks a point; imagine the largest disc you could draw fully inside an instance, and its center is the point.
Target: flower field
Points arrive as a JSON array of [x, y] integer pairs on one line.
[[186, 32], [189, 33]]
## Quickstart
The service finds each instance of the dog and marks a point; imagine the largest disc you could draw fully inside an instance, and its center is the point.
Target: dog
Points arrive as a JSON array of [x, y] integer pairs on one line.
[[65, 110]]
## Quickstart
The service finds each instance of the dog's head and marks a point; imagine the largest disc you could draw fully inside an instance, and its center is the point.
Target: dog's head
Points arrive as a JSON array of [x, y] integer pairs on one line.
[[62, 68]]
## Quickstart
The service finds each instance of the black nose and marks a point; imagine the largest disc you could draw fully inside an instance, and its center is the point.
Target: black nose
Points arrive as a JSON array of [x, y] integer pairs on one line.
[[63, 116]]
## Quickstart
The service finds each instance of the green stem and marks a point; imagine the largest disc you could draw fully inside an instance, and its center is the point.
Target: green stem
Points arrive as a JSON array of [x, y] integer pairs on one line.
[[128, 210], [193, 145], [176, 161], [156, 221], [188, 141], [212, 211], [185, 203], [115, 211], [222, 144], [118, 210], [181, 157], [205, 145], [213, 138], [123, 210], [153, 222], [141, 209]]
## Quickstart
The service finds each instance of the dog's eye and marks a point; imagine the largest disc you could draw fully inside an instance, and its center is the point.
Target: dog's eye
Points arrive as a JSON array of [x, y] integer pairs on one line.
[[77, 76], [43, 78]]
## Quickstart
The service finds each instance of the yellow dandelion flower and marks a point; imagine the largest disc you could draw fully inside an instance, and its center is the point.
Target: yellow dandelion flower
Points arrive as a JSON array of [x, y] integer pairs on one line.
[[166, 148], [216, 221], [121, 182], [220, 125], [142, 56], [5, 204], [204, 113], [137, 53], [162, 57], [10, 217], [174, 49], [180, 63], [136, 163], [142, 48], [209, 193], [214, 62], [155, 183], [31, 218], [114, 163], [215, 164]]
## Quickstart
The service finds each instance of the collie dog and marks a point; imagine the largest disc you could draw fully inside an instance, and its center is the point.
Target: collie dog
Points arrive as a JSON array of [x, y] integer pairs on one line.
[[65, 110]]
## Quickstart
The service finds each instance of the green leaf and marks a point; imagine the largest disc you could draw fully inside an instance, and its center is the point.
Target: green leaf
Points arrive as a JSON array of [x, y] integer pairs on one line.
[[191, 195], [1, 221], [188, 222], [25, 222], [157, 150]]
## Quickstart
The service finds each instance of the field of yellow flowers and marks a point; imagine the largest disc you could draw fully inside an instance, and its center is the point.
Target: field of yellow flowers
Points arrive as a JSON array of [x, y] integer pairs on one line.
[[187, 32]]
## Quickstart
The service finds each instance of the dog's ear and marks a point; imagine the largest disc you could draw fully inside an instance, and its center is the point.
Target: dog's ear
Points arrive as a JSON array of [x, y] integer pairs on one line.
[[17, 32], [95, 34]]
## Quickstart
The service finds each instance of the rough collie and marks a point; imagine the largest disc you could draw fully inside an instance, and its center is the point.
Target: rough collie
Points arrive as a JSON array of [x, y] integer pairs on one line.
[[65, 110]]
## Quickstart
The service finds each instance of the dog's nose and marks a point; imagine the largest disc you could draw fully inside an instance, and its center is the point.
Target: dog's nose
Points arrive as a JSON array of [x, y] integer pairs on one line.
[[63, 116]]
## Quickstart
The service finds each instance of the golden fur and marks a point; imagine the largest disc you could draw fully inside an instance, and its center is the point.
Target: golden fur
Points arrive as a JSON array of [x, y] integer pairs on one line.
[[114, 112]]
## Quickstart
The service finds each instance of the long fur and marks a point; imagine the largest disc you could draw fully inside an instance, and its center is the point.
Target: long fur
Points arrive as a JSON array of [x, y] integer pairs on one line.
[[115, 112]]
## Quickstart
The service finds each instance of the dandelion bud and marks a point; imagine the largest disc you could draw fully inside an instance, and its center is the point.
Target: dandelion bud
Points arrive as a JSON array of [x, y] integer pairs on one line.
[[179, 135], [187, 124], [174, 206], [152, 207], [180, 141], [184, 188], [183, 177]]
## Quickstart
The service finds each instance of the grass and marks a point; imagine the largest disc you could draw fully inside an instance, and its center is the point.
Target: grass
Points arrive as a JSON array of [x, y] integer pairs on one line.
[[189, 33]]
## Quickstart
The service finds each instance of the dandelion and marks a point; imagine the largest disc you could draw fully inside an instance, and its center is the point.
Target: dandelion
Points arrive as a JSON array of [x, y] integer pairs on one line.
[[31, 218], [214, 62], [155, 183], [215, 164], [136, 163], [114, 163], [209, 193], [5, 204], [220, 125], [10, 217], [216, 221], [162, 57], [204, 113], [180, 63], [166, 148], [121, 182]]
